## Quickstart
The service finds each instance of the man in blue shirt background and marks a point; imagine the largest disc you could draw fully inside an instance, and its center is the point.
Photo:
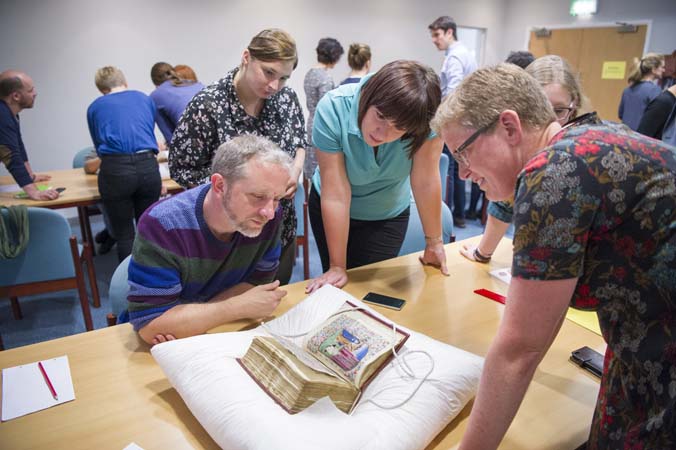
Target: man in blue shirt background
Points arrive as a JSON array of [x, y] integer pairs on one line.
[[459, 62]]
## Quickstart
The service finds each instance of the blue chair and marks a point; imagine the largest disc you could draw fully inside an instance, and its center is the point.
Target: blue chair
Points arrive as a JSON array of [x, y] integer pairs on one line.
[[118, 291], [85, 211], [52, 261], [443, 172], [414, 241], [300, 202], [79, 158]]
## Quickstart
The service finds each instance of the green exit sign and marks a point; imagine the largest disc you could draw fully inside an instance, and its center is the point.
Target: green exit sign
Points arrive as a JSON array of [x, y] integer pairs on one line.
[[583, 7]]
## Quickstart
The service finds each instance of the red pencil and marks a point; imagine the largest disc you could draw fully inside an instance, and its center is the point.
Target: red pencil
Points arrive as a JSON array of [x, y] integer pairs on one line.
[[49, 383]]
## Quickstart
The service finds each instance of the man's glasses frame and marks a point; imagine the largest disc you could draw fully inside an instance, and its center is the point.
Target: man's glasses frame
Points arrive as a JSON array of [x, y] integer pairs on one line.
[[460, 153]]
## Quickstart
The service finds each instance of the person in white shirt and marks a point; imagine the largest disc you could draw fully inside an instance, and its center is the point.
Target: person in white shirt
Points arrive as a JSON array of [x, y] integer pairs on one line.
[[459, 62]]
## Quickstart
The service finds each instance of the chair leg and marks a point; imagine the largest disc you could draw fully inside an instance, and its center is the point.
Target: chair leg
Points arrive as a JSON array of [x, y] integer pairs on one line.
[[111, 319], [87, 251], [86, 227], [306, 259], [2, 346], [82, 292], [16, 308]]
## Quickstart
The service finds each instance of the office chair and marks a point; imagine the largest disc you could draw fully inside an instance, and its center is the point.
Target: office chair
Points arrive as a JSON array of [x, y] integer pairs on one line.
[[414, 241], [118, 291], [443, 172], [52, 261], [302, 239], [92, 210]]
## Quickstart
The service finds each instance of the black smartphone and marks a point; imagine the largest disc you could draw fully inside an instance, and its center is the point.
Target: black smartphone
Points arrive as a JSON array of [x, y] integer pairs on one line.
[[588, 359], [384, 300], [60, 190]]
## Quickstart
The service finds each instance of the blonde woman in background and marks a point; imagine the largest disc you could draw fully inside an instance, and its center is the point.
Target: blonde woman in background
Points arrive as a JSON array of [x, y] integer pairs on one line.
[[562, 87], [359, 59], [641, 90]]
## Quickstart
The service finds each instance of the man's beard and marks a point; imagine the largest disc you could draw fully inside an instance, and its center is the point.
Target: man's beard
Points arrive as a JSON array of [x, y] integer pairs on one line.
[[235, 223]]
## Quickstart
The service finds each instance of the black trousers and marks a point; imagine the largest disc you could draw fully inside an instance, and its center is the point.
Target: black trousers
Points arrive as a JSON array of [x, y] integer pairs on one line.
[[369, 241], [128, 184]]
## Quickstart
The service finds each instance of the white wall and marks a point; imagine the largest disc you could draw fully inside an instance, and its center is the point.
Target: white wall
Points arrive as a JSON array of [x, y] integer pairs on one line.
[[522, 15], [62, 43]]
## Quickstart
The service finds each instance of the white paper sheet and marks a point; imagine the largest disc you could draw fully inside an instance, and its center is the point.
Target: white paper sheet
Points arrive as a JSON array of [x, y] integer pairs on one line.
[[132, 446], [24, 389], [504, 275]]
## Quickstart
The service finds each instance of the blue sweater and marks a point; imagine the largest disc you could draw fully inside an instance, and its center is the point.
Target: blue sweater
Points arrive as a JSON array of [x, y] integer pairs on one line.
[[122, 122], [635, 99], [171, 101]]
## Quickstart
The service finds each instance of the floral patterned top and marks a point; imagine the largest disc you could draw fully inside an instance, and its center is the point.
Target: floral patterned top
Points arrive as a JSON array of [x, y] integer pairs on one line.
[[215, 115], [599, 204]]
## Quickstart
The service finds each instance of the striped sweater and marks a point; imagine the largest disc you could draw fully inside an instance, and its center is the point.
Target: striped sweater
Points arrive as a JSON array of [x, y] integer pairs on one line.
[[177, 259]]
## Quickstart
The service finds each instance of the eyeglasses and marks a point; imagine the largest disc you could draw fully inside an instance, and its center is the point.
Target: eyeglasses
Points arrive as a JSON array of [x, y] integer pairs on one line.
[[563, 113], [460, 154]]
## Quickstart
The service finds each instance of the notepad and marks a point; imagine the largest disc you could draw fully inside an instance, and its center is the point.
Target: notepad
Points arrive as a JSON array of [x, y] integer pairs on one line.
[[504, 274], [25, 391]]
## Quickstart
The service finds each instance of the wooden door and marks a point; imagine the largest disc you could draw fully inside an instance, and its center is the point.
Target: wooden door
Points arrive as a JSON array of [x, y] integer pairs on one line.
[[586, 49]]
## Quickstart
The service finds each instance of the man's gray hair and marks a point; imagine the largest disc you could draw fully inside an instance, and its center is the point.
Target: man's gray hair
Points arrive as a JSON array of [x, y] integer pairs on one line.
[[231, 158]]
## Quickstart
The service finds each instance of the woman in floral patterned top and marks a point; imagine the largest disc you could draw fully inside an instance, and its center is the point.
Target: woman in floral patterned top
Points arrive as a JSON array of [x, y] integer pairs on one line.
[[251, 99], [595, 221]]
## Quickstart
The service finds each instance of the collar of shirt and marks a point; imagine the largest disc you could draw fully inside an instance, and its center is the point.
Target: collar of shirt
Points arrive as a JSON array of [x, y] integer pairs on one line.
[[270, 109], [353, 119]]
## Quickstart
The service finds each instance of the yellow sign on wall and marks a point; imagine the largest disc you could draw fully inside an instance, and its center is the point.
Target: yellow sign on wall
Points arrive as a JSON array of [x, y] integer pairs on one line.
[[613, 70]]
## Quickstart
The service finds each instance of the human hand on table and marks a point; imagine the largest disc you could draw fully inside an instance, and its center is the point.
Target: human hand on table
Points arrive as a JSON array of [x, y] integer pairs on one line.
[[469, 252], [435, 256], [335, 276], [34, 194]]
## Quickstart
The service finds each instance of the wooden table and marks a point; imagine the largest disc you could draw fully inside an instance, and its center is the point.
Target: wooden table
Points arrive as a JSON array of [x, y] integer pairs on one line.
[[122, 395], [81, 191]]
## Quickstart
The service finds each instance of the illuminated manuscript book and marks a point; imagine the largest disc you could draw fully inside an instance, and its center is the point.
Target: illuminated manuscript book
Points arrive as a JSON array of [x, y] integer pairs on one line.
[[337, 359]]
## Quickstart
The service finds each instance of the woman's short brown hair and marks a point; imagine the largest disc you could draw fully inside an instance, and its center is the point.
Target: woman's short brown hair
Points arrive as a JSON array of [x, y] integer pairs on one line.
[[273, 45], [406, 93]]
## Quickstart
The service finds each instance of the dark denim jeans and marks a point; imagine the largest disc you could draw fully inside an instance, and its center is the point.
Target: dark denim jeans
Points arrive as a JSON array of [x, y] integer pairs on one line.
[[128, 184]]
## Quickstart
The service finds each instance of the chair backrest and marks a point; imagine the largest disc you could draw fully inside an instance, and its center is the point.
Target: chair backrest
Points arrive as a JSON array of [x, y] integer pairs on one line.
[[47, 255], [79, 158], [119, 288], [443, 172], [414, 241], [298, 201]]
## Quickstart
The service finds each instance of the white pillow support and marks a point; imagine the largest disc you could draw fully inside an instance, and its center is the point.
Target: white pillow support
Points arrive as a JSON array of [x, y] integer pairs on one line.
[[238, 414]]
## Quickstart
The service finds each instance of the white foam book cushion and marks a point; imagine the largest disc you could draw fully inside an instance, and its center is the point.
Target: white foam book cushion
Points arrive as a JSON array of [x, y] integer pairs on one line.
[[238, 414]]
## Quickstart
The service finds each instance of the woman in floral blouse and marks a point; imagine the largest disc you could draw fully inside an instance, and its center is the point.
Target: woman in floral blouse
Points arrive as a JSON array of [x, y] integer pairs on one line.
[[251, 99], [595, 221]]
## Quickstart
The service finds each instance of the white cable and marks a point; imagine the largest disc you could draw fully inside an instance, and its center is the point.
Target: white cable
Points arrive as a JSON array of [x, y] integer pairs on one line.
[[401, 360]]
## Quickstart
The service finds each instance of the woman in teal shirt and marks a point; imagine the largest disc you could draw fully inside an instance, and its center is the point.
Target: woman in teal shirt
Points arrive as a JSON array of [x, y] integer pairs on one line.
[[375, 146]]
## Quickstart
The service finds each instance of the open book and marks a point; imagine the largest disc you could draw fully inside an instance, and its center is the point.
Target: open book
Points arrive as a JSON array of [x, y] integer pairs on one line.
[[337, 359]]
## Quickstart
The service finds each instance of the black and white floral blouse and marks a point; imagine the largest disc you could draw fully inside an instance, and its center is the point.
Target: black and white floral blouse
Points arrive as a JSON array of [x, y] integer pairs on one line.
[[215, 115]]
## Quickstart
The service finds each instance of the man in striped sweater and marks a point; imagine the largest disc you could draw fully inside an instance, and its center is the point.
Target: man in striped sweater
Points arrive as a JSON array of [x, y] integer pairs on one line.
[[209, 255]]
